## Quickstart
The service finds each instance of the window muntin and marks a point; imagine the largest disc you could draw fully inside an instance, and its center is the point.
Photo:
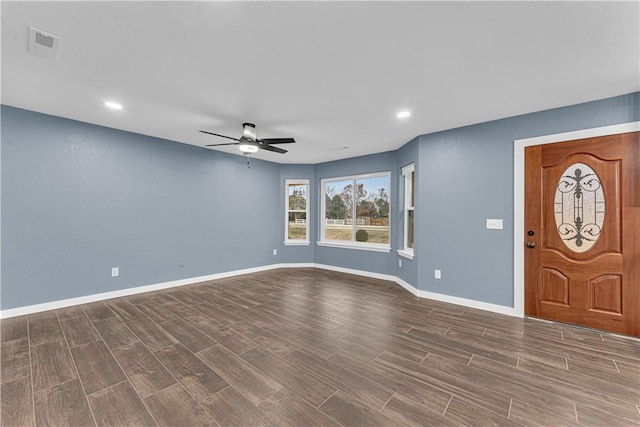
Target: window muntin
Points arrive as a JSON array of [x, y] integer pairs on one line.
[[408, 179], [356, 210], [297, 208]]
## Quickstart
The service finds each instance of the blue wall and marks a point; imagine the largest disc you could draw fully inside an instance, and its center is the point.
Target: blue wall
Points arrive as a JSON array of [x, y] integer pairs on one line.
[[466, 176], [78, 199], [375, 262]]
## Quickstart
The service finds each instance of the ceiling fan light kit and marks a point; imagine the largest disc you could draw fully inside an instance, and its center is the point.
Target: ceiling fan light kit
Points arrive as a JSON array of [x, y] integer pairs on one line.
[[249, 142], [248, 148]]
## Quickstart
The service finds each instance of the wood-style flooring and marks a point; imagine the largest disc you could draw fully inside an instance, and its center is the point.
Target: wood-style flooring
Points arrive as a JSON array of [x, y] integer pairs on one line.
[[305, 347]]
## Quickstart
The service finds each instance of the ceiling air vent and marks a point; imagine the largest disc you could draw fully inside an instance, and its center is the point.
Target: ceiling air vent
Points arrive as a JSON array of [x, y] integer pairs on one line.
[[43, 44]]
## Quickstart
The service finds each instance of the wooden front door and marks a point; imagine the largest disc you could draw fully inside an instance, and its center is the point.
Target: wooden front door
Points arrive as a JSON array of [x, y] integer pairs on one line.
[[582, 232]]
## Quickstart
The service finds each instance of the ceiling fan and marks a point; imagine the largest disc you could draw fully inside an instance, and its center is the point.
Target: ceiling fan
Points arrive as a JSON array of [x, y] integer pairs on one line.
[[249, 143]]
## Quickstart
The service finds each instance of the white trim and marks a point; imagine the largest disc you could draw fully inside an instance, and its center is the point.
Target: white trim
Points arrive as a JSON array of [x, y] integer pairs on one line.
[[407, 286], [287, 183], [405, 253], [138, 290], [36, 308], [357, 176], [407, 188], [353, 178], [356, 272], [357, 246], [495, 308], [518, 196], [480, 305], [297, 242]]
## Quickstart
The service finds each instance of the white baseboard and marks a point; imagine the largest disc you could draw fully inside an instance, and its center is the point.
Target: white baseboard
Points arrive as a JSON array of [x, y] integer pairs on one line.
[[36, 308], [495, 308], [486, 306], [356, 272]]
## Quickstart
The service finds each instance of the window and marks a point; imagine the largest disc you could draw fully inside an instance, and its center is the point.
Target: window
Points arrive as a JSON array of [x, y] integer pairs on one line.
[[355, 211], [408, 181], [297, 208]]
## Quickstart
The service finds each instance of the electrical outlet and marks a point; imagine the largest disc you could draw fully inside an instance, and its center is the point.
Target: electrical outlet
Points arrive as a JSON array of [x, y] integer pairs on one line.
[[275, 252], [115, 272], [399, 263], [438, 274]]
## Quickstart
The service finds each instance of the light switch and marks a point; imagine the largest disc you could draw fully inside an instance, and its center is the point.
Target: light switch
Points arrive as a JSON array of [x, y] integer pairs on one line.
[[494, 224]]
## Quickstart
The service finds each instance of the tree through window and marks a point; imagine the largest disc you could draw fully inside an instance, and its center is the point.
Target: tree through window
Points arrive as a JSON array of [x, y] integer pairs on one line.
[[297, 206], [356, 210]]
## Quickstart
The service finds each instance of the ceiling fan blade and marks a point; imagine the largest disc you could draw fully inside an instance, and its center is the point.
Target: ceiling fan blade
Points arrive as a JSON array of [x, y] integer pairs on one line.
[[274, 149], [278, 140], [218, 145], [217, 134]]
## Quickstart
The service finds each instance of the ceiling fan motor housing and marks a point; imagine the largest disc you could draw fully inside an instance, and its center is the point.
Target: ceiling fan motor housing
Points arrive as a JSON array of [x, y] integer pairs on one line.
[[249, 131]]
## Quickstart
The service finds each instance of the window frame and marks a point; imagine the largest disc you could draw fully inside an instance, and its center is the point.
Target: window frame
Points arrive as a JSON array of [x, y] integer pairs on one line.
[[408, 205], [287, 184], [322, 241]]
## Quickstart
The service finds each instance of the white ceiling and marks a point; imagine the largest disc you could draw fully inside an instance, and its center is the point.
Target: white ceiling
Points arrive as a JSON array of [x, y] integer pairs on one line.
[[329, 74]]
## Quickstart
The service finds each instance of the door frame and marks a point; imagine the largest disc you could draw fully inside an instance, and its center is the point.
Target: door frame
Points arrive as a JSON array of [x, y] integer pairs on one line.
[[518, 194]]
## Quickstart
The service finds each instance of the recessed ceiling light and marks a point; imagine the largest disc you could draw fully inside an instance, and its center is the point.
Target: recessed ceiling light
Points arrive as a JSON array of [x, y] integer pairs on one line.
[[113, 105], [403, 114]]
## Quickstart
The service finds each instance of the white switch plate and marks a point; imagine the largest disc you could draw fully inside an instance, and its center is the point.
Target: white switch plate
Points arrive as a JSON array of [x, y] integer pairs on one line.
[[275, 252], [438, 274], [115, 272], [494, 224], [399, 263]]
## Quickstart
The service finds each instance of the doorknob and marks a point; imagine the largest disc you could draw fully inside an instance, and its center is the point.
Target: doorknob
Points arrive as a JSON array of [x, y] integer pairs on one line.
[[531, 245]]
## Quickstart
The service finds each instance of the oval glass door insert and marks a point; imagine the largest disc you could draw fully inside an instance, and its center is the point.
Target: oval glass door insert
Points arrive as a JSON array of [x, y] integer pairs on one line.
[[579, 207]]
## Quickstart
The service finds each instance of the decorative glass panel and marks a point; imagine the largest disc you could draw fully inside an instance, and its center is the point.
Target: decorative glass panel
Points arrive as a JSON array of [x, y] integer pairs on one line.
[[579, 207]]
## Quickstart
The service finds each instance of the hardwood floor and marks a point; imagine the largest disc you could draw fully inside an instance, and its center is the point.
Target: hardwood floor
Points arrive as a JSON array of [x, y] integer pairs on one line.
[[305, 347]]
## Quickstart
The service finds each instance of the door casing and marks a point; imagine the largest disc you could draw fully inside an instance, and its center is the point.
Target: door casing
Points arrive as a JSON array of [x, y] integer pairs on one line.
[[518, 199]]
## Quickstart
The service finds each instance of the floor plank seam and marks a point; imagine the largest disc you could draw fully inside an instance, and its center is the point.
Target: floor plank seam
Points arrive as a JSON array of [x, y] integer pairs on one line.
[[616, 365], [73, 361], [470, 359], [325, 401], [158, 391], [447, 407], [33, 394], [387, 402]]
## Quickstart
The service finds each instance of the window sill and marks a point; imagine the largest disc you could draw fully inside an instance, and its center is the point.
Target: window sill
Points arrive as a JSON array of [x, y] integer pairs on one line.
[[296, 243], [360, 247], [406, 254]]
